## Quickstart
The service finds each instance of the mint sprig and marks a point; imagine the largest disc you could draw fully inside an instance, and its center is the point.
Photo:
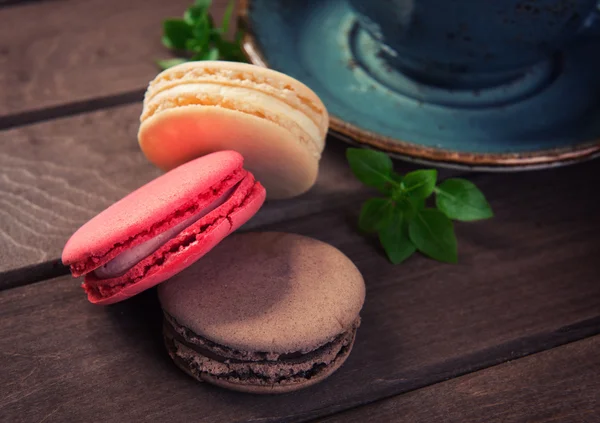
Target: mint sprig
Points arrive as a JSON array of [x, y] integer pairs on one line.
[[195, 36], [401, 218]]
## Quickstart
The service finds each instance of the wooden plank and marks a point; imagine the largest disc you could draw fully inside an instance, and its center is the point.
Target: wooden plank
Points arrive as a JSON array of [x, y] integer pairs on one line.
[[4, 3], [56, 175], [73, 51], [560, 385], [527, 281]]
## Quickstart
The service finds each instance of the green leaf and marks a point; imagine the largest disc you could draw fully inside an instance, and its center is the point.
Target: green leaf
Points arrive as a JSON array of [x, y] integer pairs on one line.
[[231, 51], [193, 45], [239, 36], [461, 200], [397, 177], [167, 63], [372, 168], [410, 206], [202, 33], [210, 54], [211, 23], [227, 16], [417, 203], [175, 33], [194, 13], [374, 214], [394, 189], [431, 231], [420, 183], [203, 3], [395, 240]]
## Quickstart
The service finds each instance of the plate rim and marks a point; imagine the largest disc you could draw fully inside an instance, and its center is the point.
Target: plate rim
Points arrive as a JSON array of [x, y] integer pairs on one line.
[[404, 149]]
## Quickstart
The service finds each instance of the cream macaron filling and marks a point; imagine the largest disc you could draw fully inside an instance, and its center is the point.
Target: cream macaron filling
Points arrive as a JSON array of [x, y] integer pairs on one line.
[[257, 101], [132, 256]]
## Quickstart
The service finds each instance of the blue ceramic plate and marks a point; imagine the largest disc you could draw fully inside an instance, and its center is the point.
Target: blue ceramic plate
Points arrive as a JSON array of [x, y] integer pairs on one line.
[[549, 117]]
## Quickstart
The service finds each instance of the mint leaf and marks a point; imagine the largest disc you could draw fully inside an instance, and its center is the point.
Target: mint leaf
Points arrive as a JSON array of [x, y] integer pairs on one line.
[[397, 177], [420, 183], [167, 63], [374, 214], [210, 54], [410, 206], [175, 33], [461, 200], [202, 32], [196, 35], [193, 14], [203, 3], [395, 240], [417, 203], [394, 187], [227, 16], [372, 168], [239, 36], [431, 231], [193, 45], [231, 51]]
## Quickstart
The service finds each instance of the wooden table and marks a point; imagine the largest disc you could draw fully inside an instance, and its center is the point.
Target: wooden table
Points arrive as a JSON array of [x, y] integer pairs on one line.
[[510, 334]]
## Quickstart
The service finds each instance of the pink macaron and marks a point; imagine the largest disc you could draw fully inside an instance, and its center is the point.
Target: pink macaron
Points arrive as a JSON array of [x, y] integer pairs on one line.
[[163, 227]]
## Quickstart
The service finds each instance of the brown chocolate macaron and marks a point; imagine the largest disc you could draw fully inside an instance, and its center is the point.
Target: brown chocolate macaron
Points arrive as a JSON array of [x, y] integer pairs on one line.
[[263, 313]]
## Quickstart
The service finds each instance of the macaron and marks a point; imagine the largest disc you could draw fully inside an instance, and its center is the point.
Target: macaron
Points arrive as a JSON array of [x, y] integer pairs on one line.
[[162, 227], [263, 313], [277, 123]]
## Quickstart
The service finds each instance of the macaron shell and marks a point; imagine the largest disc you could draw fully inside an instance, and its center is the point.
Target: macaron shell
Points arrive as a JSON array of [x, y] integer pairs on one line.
[[150, 204], [180, 260], [283, 165], [271, 292], [276, 122], [270, 389], [161, 273], [244, 75]]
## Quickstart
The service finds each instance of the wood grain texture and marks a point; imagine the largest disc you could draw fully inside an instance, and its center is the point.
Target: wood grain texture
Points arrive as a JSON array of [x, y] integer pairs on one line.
[[56, 175], [71, 51], [423, 322], [560, 385]]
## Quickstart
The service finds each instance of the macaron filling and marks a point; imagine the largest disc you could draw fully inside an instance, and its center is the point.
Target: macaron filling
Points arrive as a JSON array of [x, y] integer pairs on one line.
[[132, 256], [206, 359], [255, 102]]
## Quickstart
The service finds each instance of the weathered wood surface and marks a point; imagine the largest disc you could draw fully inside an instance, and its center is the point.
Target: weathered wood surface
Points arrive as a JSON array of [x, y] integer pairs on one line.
[[560, 385], [527, 282], [61, 57], [423, 322], [56, 175], [56, 52]]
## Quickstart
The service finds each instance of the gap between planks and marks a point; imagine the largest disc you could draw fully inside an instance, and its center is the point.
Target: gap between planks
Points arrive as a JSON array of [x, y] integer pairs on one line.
[[93, 159], [427, 322], [70, 109], [7, 3], [413, 381], [487, 359], [53, 268], [501, 393]]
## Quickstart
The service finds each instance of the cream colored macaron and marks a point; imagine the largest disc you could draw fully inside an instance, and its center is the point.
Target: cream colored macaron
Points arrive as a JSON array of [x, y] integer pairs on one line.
[[277, 123]]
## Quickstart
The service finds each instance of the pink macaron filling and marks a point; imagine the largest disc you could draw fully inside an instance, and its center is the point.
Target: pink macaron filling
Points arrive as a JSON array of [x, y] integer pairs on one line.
[[132, 256]]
